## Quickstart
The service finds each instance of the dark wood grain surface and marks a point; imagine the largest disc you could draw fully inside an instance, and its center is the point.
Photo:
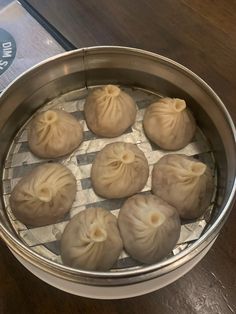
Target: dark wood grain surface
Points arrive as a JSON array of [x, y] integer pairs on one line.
[[202, 36]]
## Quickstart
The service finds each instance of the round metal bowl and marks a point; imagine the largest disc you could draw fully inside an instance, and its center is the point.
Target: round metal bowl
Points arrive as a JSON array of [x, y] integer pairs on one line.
[[133, 68]]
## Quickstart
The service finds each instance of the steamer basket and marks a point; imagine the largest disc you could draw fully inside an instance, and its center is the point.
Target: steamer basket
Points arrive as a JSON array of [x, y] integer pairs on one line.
[[140, 73]]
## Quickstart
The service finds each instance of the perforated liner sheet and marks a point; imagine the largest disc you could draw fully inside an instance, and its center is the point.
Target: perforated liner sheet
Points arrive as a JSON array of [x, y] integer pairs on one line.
[[46, 240]]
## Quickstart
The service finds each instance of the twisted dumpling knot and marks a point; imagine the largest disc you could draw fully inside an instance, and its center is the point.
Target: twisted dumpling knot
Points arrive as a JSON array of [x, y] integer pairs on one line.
[[112, 90], [178, 105], [127, 156], [45, 192], [97, 233], [50, 117], [155, 219], [197, 168]]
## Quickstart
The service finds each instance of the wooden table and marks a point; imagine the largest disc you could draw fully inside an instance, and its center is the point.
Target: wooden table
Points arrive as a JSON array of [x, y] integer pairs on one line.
[[202, 36]]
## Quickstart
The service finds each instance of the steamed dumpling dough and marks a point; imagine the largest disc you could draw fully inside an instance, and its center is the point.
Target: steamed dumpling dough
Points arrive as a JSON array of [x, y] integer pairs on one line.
[[183, 182], [91, 240], [44, 195], [149, 227], [109, 111], [54, 133], [119, 170], [169, 124]]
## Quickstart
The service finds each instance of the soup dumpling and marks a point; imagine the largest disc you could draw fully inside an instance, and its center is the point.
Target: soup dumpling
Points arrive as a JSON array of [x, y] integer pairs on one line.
[[169, 123], [91, 240], [44, 195], [120, 169], [185, 183], [149, 227], [109, 111], [54, 133]]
